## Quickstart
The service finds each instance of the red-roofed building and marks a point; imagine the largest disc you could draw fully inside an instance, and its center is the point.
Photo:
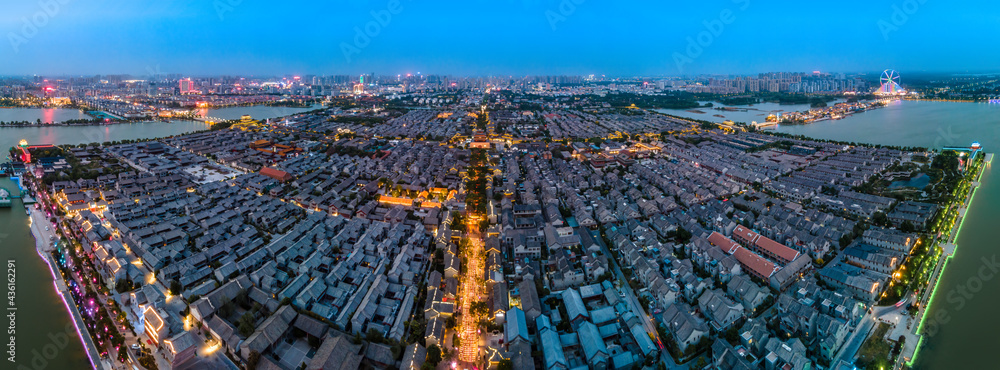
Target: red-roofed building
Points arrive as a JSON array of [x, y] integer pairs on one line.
[[764, 245], [744, 235], [755, 264], [721, 241], [776, 251], [276, 174]]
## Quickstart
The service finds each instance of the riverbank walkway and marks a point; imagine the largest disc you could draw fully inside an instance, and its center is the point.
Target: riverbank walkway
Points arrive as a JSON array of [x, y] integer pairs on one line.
[[44, 247], [911, 347]]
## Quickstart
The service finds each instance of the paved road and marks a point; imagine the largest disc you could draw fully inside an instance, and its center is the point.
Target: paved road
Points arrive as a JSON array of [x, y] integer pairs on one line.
[[891, 313], [38, 227], [853, 343], [633, 302]]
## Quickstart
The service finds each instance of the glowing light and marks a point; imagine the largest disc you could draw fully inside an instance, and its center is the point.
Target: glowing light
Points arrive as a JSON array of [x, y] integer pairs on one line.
[[210, 349]]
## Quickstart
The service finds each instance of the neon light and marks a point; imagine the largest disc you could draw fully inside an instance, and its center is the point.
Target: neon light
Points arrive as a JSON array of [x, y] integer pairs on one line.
[[62, 297], [930, 301]]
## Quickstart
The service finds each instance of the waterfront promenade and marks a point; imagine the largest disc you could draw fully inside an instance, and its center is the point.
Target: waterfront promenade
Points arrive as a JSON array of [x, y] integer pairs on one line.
[[912, 348], [43, 246]]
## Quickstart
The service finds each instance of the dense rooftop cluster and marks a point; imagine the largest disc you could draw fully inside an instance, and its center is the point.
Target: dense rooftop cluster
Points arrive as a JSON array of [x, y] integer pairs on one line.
[[623, 238]]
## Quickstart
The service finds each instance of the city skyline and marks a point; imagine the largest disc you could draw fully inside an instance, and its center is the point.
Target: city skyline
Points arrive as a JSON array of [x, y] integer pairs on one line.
[[498, 185], [571, 37]]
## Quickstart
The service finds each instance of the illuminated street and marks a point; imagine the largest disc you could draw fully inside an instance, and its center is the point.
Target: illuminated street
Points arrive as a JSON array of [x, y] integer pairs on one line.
[[471, 291], [472, 281]]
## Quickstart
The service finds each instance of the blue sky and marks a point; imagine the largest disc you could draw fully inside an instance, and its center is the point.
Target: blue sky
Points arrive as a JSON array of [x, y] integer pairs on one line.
[[498, 37]]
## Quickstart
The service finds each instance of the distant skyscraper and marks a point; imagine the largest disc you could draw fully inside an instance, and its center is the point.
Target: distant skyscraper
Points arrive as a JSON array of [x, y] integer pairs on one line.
[[186, 86]]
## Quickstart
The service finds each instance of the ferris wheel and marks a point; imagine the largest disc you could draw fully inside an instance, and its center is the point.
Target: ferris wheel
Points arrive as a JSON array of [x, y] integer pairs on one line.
[[890, 75], [890, 83]]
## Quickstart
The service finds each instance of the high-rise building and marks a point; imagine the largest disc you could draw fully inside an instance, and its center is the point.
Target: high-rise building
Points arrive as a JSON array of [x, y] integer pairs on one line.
[[186, 86]]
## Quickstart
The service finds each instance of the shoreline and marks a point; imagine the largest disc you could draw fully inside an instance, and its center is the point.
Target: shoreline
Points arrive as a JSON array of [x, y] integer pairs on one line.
[[151, 120], [949, 100], [967, 204], [96, 124], [750, 109], [91, 350]]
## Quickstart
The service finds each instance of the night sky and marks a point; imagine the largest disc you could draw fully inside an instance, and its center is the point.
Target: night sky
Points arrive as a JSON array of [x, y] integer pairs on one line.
[[500, 37]]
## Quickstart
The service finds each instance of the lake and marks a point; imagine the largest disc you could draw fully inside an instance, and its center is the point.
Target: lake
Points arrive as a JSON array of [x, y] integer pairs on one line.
[[746, 113], [47, 115], [919, 181], [56, 115]]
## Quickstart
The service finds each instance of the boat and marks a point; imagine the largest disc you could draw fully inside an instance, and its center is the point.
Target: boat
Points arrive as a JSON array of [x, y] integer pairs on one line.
[[4, 198]]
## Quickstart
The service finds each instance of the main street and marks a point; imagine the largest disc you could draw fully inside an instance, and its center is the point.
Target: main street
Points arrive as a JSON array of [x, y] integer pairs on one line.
[[473, 281], [472, 291]]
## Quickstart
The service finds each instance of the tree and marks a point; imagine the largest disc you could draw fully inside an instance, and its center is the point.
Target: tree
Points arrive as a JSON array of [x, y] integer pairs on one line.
[[644, 302], [149, 362], [175, 287], [479, 308], [946, 161], [123, 285], [253, 359], [845, 240], [683, 235], [357, 338], [433, 354], [505, 364], [907, 227], [700, 363], [374, 336], [227, 307], [246, 324], [880, 219]]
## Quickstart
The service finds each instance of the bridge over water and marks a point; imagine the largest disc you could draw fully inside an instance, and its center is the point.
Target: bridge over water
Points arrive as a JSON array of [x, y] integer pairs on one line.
[[209, 119]]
